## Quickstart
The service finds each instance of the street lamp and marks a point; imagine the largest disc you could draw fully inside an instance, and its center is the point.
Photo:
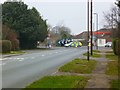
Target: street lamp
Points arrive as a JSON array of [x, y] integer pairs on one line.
[[96, 28], [91, 21], [88, 30]]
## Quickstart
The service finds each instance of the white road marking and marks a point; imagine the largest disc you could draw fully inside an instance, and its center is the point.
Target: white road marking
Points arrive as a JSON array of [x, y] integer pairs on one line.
[[43, 55], [32, 57], [56, 52], [54, 73], [2, 64], [21, 60]]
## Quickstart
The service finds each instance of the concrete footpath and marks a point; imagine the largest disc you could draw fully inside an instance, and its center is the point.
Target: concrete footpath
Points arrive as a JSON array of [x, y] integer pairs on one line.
[[99, 78]]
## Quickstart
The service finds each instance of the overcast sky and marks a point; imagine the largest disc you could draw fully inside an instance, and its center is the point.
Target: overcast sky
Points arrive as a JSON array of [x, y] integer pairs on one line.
[[70, 13]]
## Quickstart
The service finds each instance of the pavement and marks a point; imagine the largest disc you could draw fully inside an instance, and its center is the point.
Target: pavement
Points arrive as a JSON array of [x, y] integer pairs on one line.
[[99, 78]]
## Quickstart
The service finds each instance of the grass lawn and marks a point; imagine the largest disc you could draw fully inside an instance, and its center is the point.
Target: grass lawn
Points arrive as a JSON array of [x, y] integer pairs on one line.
[[115, 84], [79, 66], [60, 82], [95, 55], [112, 68], [97, 51], [111, 56]]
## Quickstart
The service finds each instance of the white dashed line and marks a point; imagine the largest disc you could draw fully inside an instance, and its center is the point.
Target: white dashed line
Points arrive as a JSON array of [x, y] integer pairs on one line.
[[2, 64], [21, 60], [43, 55], [56, 52], [54, 73], [32, 57]]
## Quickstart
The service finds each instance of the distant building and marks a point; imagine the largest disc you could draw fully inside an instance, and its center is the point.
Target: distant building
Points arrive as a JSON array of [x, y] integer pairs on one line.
[[100, 37], [103, 36]]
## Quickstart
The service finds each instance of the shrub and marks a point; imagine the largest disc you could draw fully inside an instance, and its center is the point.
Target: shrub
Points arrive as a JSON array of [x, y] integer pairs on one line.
[[6, 46], [116, 46], [119, 47], [15, 45]]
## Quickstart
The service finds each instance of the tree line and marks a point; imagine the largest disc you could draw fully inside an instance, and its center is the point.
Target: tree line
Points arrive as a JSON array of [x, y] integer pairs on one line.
[[23, 26]]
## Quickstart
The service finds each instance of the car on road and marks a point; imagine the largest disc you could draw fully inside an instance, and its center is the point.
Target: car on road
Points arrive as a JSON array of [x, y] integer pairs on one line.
[[73, 44], [68, 44], [108, 44]]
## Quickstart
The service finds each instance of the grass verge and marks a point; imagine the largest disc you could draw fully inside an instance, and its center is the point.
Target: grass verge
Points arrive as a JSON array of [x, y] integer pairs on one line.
[[95, 55], [115, 84], [79, 66], [60, 82], [96, 51], [112, 68], [111, 56]]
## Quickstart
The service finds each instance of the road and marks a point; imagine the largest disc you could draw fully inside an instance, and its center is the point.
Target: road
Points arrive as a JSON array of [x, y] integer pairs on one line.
[[20, 71]]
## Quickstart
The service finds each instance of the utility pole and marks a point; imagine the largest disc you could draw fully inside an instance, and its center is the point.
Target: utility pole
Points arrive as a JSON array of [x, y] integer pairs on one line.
[[88, 31], [96, 29], [91, 28]]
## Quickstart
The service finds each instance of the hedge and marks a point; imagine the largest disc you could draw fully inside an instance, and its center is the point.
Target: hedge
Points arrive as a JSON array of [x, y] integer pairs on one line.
[[15, 45], [116, 46], [5, 46]]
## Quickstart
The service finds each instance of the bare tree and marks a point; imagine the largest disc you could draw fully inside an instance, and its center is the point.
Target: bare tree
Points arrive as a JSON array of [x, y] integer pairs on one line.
[[112, 21]]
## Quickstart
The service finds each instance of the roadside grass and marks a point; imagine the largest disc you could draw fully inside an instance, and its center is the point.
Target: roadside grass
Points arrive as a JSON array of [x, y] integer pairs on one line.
[[112, 68], [15, 52], [79, 66], [111, 56], [95, 55], [115, 84], [96, 51], [60, 82]]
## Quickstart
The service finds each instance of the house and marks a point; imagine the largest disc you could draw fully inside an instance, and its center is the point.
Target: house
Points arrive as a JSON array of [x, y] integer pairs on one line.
[[103, 36], [100, 37]]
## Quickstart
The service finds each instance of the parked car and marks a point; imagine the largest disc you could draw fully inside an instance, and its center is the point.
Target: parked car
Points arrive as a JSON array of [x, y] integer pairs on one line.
[[108, 44]]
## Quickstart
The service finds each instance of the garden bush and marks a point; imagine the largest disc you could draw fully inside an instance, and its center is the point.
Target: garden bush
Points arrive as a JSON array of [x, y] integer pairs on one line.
[[6, 46]]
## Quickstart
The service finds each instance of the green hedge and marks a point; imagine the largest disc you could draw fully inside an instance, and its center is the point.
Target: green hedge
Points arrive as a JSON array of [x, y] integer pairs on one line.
[[5, 46], [15, 45], [116, 46]]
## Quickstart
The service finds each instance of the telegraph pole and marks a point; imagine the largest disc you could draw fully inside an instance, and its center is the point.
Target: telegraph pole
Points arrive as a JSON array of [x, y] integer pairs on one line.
[[91, 28], [88, 31]]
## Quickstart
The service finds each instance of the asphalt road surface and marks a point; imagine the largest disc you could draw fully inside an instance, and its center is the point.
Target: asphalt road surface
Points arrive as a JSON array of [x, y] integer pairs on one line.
[[20, 71]]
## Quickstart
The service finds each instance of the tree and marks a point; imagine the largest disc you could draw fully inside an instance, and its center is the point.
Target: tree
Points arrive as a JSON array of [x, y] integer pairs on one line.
[[26, 22], [112, 21], [9, 34], [63, 31]]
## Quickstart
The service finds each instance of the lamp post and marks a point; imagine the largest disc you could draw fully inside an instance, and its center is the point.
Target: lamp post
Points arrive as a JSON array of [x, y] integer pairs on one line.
[[88, 30], [96, 29], [91, 21]]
